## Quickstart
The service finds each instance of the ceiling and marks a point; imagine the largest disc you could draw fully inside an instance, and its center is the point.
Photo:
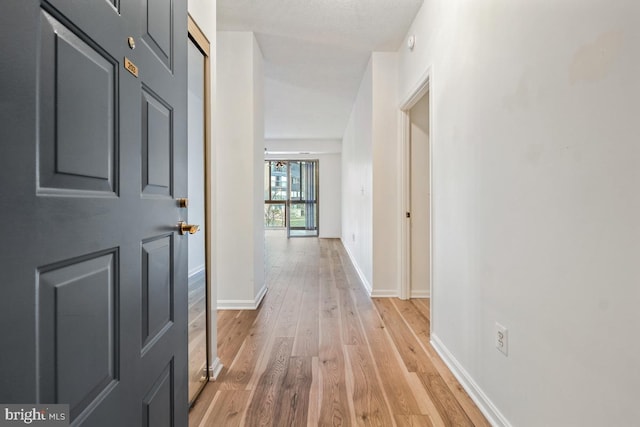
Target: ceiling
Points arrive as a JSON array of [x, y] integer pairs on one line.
[[315, 54]]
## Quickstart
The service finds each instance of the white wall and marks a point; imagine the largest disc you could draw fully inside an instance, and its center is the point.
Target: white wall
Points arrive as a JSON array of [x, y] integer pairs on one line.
[[259, 285], [536, 203], [239, 148], [330, 183], [370, 213], [386, 213], [357, 210], [330, 197], [204, 14]]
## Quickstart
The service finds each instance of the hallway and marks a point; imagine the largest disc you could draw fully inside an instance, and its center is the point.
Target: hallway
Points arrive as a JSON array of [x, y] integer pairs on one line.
[[319, 351]]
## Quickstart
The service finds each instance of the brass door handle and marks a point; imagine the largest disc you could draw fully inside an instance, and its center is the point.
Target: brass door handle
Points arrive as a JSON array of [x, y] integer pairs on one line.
[[184, 228]]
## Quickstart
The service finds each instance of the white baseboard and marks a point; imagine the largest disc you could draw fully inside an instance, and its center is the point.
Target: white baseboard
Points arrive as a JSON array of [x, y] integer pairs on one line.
[[236, 304], [384, 293], [214, 369], [486, 406], [260, 296], [361, 275], [420, 294]]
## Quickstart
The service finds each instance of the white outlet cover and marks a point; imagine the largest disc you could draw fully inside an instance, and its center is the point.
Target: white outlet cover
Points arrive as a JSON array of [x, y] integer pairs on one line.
[[501, 335]]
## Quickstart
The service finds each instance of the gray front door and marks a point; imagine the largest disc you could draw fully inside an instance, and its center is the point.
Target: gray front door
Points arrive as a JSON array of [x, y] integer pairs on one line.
[[92, 158]]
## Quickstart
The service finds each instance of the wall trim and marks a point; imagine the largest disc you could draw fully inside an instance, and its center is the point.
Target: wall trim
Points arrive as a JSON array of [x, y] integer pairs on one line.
[[384, 293], [420, 293], [363, 279], [423, 87], [214, 369], [418, 91], [261, 293], [243, 304], [486, 406]]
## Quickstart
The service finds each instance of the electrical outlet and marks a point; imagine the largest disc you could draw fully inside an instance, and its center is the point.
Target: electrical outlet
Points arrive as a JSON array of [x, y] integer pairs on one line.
[[502, 338]]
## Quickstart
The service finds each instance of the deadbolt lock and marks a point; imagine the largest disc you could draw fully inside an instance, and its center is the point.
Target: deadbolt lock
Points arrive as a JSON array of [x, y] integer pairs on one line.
[[132, 43], [184, 228], [183, 202]]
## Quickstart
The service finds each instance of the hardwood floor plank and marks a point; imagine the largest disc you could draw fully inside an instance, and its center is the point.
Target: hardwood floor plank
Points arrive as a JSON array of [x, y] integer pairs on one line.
[[290, 312], [262, 408], [423, 305], [241, 370], [351, 329], [424, 400], [307, 338], [419, 324], [413, 421], [328, 292], [293, 400], [392, 374], [227, 409], [369, 403], [334, 410], [446, 403], [315, 394], [405, 342], [225, 318], [233, 335]]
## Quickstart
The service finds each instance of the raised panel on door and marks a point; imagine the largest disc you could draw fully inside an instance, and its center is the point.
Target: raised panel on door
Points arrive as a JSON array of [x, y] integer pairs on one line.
[[157, 289], [157, 145], [78, 138], [157, 405], [78, 330], [158, 29]]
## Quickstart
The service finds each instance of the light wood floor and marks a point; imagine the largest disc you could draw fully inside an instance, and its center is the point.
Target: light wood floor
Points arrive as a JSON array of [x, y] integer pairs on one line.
[[319, 351]]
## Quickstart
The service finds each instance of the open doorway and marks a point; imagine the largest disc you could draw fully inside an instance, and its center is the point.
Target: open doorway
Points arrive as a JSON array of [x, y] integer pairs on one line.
[[416, 226], [419, 200], [291, 197]]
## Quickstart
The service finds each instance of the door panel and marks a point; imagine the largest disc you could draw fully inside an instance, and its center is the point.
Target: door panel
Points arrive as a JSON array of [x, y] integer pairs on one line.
[[157, 30], [77, 145], [78, 327], [158, 402], [157, 289], [157, 147], [93, 302]]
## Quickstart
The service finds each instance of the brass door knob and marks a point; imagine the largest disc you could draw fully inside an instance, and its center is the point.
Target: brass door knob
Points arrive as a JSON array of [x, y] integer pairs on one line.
[[184, 228]]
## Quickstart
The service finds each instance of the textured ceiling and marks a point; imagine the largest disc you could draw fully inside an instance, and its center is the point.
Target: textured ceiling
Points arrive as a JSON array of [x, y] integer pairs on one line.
[[315, 53]]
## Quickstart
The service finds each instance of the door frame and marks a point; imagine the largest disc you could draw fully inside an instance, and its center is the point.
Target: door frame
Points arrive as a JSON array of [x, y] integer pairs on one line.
[[316, 173], [202, 43], [423, 87]]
